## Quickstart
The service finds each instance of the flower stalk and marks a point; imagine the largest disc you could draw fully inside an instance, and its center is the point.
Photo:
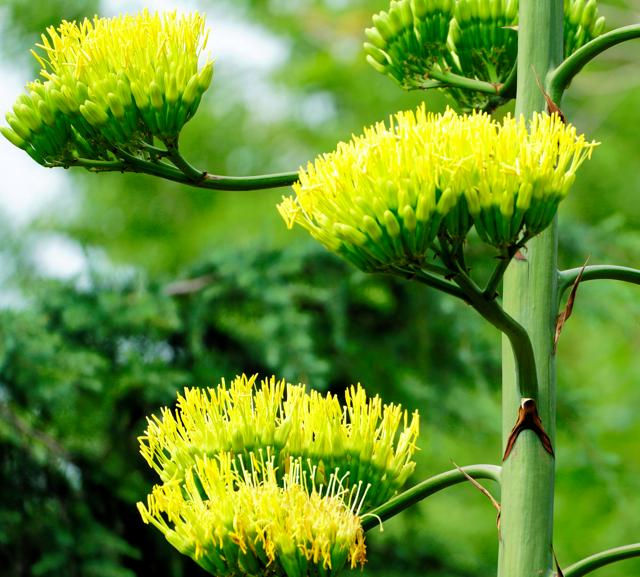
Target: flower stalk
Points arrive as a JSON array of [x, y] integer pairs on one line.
[[530, 297]]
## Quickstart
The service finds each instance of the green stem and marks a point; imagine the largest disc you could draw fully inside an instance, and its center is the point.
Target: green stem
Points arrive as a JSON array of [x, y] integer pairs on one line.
[[464, 83], [131, 163], [490, 310], [530, 297], [562, 76], [522, 349], [192, 173], [508, 89], [566, 278], [429, 280], [428, 487], [504, 259], [601, 559], [258, 182]]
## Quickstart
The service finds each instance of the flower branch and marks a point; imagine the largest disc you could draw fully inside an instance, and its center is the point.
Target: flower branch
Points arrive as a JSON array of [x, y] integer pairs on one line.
[[562, 76], [426, 488], [566, 278], [131, 163], [601, 559], [491, 311]]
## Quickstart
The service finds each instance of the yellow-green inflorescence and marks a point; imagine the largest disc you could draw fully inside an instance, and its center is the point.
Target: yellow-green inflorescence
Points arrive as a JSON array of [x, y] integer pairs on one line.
[[271, 479], [382, 198], [234, 520], [416, 41], [109, 84]]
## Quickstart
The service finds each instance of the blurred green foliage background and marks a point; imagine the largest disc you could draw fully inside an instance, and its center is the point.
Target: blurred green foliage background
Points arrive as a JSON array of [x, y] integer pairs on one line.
[[181, 287]]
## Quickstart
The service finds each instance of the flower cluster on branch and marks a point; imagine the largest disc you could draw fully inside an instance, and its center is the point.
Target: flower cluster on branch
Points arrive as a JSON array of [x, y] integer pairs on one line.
[[270, 479], [111, 84], [421, 44], [381, 199]]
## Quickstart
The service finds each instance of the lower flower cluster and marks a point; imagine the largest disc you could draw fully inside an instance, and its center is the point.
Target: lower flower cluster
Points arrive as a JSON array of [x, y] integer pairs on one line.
[[235, 522], [268, 479]]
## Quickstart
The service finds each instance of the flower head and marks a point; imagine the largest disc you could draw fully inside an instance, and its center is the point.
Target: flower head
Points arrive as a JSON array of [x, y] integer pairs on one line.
[[233, 520], [415, 42], [381, 199], [111, 82], [369, 445]]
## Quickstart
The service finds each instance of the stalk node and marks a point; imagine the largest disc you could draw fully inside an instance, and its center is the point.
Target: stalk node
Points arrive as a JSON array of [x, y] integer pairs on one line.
[[528, 418]]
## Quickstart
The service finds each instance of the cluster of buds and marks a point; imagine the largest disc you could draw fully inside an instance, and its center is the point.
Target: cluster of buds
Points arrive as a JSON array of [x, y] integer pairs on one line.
[[581, 23], [369, 443], [234, 520], [381, 199], [417, 43], [111, 84]]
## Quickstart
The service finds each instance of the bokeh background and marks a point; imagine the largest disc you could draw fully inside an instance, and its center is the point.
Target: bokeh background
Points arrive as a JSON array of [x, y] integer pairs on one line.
[[119, 290]]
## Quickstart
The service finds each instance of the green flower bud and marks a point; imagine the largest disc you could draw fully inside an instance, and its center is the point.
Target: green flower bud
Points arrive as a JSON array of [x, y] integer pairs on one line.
[[382, 25], [13, 137], [19, 127], [205, 76], [93, 114], [589, 14], [28, 116], [376, 54], [471, 38], [155, 95], [391, 224], [598, 27], [374, 37], [115, 105]]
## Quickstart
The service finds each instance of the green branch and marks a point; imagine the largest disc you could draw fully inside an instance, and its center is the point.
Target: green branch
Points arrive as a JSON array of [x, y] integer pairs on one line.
[[431, 280], [425, 489], [449, 79], [187, 174], [601, 559], [504, 259], [561, 77], [491, 311], [566, 278], [508, 89]]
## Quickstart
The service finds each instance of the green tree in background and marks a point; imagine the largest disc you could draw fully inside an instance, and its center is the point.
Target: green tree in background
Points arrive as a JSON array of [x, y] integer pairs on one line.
[[83, 363]]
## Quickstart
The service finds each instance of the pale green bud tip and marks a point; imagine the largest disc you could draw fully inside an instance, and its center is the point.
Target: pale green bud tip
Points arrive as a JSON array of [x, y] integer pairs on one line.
[[155, 95], [206, 75], [93, 114], [391, 224], [12, 137]]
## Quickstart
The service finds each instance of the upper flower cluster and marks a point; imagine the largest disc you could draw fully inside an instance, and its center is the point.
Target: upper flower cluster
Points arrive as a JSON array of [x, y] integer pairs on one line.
[[381, 199], [415, 42], [111, 82]]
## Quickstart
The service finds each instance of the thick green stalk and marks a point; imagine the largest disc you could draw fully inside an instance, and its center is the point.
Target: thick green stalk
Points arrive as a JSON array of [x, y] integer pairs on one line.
[[530, 296]]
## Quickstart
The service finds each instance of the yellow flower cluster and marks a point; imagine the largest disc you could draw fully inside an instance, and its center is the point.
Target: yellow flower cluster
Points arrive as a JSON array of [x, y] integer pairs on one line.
[[371, 445], [381, 199], [111, 82], [234, 521]]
